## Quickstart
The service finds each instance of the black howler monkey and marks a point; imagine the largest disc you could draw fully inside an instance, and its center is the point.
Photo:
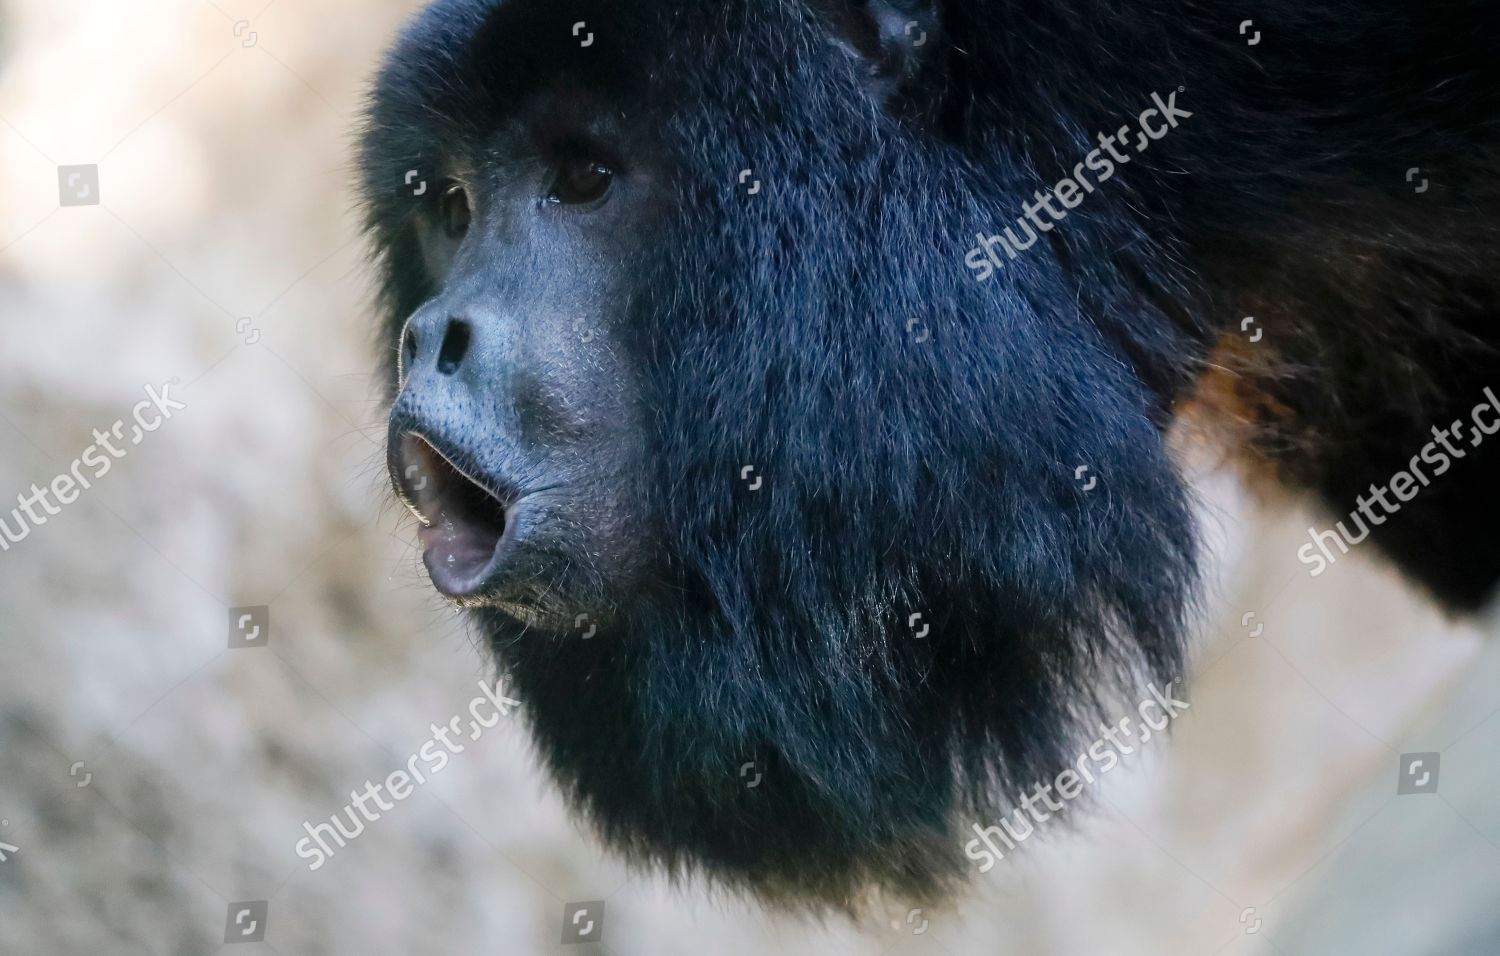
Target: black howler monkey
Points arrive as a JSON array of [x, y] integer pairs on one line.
[[782, 384]]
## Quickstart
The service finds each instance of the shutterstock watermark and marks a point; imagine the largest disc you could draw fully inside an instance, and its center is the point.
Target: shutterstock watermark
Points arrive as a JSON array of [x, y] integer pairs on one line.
[[147, 416], [1071, 190], [985, 849], [400, 784], [1405, 484]]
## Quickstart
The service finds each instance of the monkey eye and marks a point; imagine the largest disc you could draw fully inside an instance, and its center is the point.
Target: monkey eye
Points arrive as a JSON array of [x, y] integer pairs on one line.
[[455, 212], [580, 181]]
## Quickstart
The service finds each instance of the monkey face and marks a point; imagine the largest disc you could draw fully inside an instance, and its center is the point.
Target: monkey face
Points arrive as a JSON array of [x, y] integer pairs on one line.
[[516, 431]]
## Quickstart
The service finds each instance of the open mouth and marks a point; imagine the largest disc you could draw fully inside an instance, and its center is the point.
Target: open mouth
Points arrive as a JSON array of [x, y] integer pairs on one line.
[[463, 522]]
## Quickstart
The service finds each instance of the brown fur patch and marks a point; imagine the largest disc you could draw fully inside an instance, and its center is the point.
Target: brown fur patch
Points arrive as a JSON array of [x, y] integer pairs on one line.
[[1232, 411]]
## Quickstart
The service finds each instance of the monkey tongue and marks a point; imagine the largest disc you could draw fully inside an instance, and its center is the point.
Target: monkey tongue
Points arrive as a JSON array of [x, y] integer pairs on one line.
[[458, 554]]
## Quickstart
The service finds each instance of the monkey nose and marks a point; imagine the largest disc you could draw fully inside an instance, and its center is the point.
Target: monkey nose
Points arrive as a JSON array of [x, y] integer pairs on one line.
[[443, 343], [463, 522]]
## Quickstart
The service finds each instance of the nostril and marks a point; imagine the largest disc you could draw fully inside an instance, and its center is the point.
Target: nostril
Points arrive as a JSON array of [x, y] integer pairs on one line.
[[455, 344], [408, 348]]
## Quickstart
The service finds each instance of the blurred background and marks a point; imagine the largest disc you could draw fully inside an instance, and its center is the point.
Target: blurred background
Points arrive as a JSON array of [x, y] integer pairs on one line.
[[156, 766]]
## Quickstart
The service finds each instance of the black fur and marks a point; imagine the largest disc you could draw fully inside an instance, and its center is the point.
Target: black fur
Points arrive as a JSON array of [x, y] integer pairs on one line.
[[930, 467]]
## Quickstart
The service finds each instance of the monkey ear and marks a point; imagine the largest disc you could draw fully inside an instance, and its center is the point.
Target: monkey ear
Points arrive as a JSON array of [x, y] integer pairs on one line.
[[891, 39]]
